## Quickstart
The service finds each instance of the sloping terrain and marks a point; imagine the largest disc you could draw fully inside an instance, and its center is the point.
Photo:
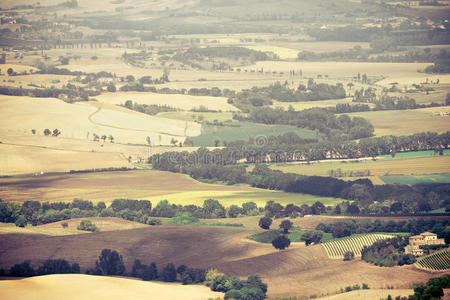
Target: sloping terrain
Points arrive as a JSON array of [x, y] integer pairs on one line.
[[299, 270], [76, 286], [83, 120], [184, 102], [56, 228]]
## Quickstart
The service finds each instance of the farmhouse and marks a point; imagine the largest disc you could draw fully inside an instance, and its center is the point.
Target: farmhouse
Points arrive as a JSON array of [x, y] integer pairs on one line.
[[426, 238]]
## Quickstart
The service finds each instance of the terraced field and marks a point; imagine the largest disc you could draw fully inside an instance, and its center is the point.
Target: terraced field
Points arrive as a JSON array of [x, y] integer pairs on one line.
[[435, 262], [337, 248]]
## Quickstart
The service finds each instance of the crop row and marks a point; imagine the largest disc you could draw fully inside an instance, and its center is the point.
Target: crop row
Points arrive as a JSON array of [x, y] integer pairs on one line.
[[337, 248], [438, 261]]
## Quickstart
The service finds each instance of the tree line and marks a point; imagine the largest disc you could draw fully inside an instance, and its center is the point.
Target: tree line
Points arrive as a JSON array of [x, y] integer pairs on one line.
[[110, 263], [322, 120], [414, 226], [366, 198], [35, 213], [292, 148], [259, 96]]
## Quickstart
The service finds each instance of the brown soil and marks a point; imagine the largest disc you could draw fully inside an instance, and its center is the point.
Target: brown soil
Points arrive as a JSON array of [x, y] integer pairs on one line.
[[101, 186], [297, 271]]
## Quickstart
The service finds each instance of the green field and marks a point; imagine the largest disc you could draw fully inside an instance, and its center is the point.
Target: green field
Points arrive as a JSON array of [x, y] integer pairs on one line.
[[245, 130], [414, 179], [415, 154], [227, 198]]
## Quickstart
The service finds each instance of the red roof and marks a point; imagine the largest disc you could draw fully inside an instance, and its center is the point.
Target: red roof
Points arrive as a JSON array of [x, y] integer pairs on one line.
[[428, 233]]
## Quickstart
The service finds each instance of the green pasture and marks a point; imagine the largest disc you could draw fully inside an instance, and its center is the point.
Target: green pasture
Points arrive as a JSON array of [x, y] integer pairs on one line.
[[415, 179], [227, 198], [245, 130], [415, 154]]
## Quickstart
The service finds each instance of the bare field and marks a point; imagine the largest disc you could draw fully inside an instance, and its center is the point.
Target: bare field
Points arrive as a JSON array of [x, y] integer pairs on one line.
[[372, 294], [403, 73], [31, 81], [77, 286], [185, 102], [406, 122], [105, 186], [56, 229], [24, 153], [321, 47], [144, 184], [82, 119], [310, 104], [34, 159], [310, 271]]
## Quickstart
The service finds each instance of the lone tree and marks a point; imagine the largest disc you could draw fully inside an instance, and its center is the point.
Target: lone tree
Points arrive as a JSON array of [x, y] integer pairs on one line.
[[56, 132], [110, 262], [87, 225], [349, 255], [21, 221], [10, 71], [281, 242], [265, 222], [312, 236], [286, 225], [47, 132]]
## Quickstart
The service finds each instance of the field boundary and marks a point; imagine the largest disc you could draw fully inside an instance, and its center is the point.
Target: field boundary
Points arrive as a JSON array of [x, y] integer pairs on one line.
[[446, 254], [336, 249]]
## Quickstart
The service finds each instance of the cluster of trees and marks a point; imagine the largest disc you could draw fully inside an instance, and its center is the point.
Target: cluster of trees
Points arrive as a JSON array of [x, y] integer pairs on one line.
[[381, 39], [48, 132], [433, 289], [440, 66], [260, 96], [139, 85], [376, 54], [383, 102], [151, 109], [50, 266], [320, 119], [388, 253], [368, 199], [293, 148], [415, 226], [168, 273], [110, 263], [234, 288], [72, 94], [133, 210], [86, 225]]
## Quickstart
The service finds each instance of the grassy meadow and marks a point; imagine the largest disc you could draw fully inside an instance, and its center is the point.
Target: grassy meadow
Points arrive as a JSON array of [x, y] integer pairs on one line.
[[245, 131]]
